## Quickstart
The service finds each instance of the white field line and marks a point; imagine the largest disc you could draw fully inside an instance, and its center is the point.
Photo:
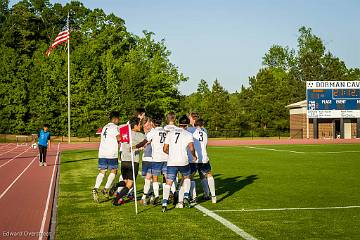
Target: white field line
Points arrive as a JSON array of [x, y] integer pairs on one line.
[[298, 152], [226, 223], [14, 158], [7, 189], [284, 209], [9, 151], [41, 235]]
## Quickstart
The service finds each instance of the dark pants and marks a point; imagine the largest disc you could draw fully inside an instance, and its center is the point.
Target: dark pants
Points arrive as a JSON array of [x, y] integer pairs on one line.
[[42, 151]]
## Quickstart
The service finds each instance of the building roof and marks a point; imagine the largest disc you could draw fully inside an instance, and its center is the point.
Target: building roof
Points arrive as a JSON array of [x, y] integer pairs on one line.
[[301, 104]]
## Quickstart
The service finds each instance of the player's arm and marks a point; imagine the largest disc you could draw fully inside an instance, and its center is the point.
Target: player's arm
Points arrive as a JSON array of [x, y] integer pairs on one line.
[[141, 144], [166, 148], [192, 150]]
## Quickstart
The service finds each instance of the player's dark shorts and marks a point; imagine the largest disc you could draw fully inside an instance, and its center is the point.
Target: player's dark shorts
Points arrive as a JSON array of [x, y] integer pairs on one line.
[[108, 163], [193, 168], [126, 170], [204, 168], [173, 170], [158, 168], [146, 168]]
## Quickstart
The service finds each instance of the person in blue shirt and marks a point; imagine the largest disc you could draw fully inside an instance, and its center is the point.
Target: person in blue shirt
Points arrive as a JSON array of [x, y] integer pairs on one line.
[[43, 144]]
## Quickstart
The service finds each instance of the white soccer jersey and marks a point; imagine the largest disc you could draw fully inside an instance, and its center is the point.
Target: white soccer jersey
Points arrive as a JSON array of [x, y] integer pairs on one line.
[[157, 137], [202, 136], [109, 146], [169, 128], [178, 141]]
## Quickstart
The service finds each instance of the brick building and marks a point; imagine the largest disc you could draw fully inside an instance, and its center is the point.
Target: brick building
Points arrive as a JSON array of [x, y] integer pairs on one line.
[[320, 128]]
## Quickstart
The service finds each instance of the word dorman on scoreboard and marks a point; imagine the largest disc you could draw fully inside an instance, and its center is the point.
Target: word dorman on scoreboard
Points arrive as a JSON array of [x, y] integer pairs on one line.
[[333, 99]]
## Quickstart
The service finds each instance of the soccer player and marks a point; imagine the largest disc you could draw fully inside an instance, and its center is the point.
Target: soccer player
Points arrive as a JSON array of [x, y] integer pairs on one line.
[[147, 160], [138, 141], [176, 143], [159, 165], [193, 117], [171, 118], [43, 143], [108, 155], [203, 159]]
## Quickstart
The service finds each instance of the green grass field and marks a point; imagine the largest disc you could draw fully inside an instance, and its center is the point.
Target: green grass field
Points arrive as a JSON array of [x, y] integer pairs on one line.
[[264, 177]]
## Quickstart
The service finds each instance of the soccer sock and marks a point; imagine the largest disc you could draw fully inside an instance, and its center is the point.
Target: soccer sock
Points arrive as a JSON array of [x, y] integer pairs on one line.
[[211, 185], [123, 192], [99, 180], [204, 183], [146, 188], [156, 188], [186, 185], [173, 188], [193, 189], [110, 180], [181, 194], [163, 185], [166, 192]]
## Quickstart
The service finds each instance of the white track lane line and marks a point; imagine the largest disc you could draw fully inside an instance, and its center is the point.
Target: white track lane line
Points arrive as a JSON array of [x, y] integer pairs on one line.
[[284, 209], [41, 232], [226, 223], [4, 146], [7, 189], [9, 151], [13, 158]]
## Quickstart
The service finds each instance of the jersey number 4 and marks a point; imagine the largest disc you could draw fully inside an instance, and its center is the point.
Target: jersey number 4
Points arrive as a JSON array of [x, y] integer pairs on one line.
[[105, 133]]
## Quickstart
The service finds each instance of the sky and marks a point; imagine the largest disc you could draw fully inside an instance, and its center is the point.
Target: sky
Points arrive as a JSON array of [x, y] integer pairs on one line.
[[227, 39]]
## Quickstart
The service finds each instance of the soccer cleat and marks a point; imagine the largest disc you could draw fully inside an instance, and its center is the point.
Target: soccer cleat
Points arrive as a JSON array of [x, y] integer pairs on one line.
[[213, 199], [144, 202], [95, 195], [206, 198], [179, 205], [164, 208], [156, 201], [105, 192], [44, 164], [187, 203], [193, 201], [152, 199]]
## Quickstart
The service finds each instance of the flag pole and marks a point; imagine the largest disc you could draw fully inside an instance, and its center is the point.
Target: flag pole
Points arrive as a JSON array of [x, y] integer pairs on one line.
[[133, 169], [68, 25]]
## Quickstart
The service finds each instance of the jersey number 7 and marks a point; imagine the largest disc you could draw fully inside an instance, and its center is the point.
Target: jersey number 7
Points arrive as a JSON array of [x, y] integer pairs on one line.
[[177, 137]]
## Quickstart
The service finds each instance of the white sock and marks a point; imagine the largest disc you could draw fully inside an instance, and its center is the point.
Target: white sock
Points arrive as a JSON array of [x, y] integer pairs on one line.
[[99, 180], [205, 186], [181, 193], [173, 188], [193, 189], [146, 188], [156, 188], [166, 193], [186, 185], [163, 185], [211, 185], [110, 180]]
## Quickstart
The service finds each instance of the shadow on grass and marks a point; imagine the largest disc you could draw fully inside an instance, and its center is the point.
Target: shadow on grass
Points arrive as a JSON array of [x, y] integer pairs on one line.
[[228, 186], [77, 160]]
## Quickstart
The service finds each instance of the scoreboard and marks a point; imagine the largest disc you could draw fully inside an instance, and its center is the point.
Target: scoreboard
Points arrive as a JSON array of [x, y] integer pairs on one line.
[[333, 99]]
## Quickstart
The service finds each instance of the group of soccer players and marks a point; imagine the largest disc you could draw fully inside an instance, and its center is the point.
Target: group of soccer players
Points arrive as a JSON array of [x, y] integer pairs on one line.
[[175, 152]]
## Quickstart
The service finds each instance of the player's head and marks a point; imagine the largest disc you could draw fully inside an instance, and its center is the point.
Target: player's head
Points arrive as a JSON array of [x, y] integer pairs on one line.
[[193, 116], [184, 121], [140, 113], [158, 120], [199, 123], [115, 117], [171, 117], [148, 124], [135, 124], [46, 127]]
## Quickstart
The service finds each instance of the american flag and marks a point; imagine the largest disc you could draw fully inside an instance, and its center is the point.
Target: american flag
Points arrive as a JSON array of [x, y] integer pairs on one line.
[[62, 37]]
